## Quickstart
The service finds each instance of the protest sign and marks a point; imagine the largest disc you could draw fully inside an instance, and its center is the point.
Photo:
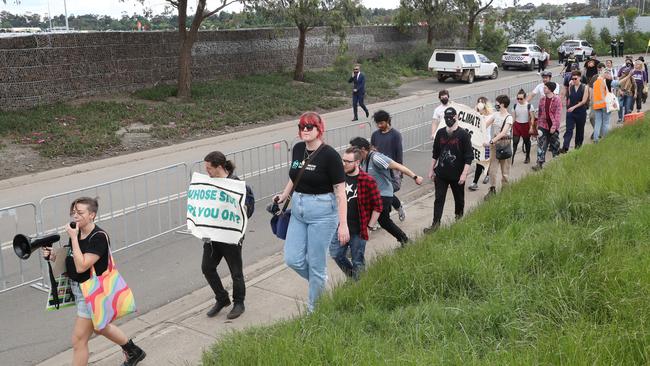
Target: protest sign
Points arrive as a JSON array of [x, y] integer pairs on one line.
[[215, 208], [473, 122], [64, 294]]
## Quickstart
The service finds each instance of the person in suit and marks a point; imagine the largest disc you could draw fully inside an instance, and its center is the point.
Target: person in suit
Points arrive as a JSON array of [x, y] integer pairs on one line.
[[358, 91]]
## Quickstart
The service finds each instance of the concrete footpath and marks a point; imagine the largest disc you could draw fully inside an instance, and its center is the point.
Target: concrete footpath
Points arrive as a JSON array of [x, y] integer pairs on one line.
[[177, 333]]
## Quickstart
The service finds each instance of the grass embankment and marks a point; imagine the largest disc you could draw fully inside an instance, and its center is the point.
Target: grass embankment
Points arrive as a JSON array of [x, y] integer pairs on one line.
[[554, 270], [90, 128]]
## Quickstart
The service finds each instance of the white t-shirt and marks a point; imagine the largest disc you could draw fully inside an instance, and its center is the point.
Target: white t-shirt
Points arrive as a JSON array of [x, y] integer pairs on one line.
[[521, 112], [497, 125], [539, 89], [439, 112]]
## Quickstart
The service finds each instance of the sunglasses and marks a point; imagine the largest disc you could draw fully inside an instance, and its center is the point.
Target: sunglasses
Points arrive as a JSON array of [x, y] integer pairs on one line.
[[574, 79], [307, 127], [520, 98]]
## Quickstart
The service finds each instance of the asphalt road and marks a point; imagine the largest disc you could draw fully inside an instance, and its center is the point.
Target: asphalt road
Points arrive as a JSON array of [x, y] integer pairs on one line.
[[168, 267]]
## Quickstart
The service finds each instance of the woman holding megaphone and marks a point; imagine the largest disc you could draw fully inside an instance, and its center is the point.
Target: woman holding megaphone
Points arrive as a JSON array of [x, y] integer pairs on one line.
[[90, 257]]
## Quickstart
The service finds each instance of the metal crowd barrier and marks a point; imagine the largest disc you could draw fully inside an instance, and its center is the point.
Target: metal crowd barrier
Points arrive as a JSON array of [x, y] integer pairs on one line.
[[15, 272], [415, 123], [339, 138], [147, 205], [133, 209], [264, 167]]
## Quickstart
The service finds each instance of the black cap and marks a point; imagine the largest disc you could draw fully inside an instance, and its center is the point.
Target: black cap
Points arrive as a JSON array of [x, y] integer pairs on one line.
[[450, 112], [551, 85]]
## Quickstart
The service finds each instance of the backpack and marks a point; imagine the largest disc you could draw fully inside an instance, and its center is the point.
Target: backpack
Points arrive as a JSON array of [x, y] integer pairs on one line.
[[250, 197], [250, 201], [514, 109]]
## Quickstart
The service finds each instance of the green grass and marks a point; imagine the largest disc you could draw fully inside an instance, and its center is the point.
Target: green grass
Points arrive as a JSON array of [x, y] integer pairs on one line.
[[89, 129], [553, 270]]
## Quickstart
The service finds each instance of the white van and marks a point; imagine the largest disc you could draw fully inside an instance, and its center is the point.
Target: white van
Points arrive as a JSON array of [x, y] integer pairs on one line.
[[463, 65]]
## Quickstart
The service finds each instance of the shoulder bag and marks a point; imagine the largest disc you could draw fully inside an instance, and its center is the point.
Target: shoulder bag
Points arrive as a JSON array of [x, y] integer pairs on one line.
[[503, 147], [281, 218], [108, 296]]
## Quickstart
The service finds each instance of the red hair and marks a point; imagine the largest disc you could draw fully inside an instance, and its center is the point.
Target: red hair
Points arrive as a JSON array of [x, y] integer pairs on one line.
[[314, 119]]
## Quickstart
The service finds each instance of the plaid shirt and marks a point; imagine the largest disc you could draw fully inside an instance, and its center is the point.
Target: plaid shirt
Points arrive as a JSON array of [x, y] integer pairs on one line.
[[555, 113], [368, 199]]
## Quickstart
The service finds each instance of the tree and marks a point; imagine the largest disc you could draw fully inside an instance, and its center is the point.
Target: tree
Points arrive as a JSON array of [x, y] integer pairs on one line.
[[307, 14], [542, 39], [519, 24], [493, 38], [428, 12], [554, 25], [605, 36], [627, 19], [188, 36], [588, 33], [471, 10]]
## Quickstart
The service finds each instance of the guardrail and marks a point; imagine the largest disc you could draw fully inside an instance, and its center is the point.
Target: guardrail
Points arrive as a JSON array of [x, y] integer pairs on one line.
[[15, 272], [133, 209], [264, 167], [142, 207]]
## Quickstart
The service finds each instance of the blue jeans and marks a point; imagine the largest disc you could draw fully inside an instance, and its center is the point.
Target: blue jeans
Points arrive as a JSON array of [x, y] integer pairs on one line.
[[626, 103], [314, 219], [357, 248], [601, 125]]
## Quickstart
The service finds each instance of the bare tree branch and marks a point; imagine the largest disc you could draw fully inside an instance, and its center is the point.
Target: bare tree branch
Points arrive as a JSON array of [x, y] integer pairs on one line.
[[224, 3]]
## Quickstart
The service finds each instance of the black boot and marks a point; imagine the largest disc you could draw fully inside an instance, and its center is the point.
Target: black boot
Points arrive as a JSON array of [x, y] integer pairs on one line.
[[491, 192], [237, 310], [133, 353], [217, 308]]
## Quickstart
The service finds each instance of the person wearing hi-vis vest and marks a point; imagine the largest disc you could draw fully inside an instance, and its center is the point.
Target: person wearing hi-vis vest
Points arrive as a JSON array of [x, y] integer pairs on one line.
[[599, 91], [213, 251]]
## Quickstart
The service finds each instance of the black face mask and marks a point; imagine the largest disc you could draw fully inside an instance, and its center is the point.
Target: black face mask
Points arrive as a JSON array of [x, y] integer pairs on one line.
[[497, 107], [444, 100], [629, 65], [449, 122]]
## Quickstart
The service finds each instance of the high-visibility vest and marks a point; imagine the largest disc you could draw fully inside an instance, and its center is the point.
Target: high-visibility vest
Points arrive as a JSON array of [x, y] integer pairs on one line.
[[600, 89]]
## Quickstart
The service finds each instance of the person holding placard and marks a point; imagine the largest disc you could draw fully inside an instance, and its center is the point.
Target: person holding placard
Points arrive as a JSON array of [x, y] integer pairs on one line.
[[452, 155], [213, 251]]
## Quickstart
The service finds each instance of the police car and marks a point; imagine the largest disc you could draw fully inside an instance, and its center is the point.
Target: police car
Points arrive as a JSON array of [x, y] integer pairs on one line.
[[524, 55], [580, 48]]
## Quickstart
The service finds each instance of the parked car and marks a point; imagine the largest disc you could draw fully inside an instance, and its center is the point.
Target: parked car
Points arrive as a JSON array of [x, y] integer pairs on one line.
[[524, 55], [465, 65], [580, 48]]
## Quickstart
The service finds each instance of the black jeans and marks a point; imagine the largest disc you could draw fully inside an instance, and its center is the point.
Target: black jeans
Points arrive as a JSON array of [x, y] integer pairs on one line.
[[441, 195], [477, 173], [212, 254], [396, 203], [387, 224]]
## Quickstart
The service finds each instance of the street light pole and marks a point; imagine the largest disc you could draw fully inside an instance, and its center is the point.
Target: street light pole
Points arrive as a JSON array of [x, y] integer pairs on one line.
[[65, 9], [49, 14]]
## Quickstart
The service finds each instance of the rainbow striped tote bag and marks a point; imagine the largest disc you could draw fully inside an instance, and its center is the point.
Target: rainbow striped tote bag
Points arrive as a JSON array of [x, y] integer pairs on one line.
[[107, 295]]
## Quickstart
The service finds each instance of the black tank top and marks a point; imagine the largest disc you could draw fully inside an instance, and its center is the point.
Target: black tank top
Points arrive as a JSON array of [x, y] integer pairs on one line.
[[575, 97]]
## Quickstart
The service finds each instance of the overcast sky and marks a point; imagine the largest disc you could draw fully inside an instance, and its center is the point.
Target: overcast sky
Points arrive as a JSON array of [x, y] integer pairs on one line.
[[115, 8]]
